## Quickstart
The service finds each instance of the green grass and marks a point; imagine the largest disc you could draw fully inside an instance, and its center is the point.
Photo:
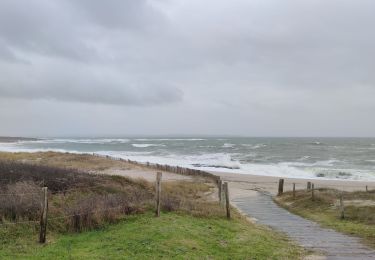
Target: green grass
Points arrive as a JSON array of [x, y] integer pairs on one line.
[[359, 220], [172, 236]]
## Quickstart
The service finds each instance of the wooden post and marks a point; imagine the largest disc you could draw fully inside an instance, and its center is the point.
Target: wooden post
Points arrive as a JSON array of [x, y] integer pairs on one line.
[[220, 185], [158, 192], [294, 190], [366, 188], [308, 185], [312, 192], [43, 216], [281, 187], [222, 194], [227, 205], [342, 208]]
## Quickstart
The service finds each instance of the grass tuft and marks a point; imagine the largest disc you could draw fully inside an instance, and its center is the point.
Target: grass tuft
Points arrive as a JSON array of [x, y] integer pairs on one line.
[[325, 209]]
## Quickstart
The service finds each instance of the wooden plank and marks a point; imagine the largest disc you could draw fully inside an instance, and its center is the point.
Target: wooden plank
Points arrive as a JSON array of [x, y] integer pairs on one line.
[[158, 193]]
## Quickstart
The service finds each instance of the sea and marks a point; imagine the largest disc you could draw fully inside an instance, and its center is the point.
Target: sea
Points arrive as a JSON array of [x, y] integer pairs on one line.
[[312, 158]]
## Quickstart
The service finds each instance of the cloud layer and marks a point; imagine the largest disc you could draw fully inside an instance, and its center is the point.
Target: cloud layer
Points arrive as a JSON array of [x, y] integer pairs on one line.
[[269, 62]]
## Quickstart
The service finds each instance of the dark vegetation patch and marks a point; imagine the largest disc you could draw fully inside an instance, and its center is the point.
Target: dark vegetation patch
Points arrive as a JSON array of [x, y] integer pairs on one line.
[[80, 201]]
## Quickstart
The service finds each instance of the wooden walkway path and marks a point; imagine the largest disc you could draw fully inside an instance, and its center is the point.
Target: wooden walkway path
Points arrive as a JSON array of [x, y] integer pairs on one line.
[[310, 235]]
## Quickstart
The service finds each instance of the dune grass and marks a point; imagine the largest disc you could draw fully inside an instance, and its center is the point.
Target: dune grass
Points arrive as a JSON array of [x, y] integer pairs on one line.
[[83, 162], [115, 216], [359, 211], [172, 236]]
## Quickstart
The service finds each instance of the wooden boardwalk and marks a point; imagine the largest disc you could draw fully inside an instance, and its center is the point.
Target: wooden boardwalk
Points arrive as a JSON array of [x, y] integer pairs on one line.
[[310, 235]]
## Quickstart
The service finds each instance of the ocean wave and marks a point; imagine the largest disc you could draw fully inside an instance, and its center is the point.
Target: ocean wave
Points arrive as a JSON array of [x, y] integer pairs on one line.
[[344, 174], [168, 139], [326, 163], [126, 154], [254, 146], [304, 158], [316, 143], [249, 158], [17, 149], [147, 145], [77, 141], [215, 166]]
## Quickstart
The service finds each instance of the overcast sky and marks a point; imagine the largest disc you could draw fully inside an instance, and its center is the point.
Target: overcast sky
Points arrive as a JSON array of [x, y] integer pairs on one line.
[[192, 67]]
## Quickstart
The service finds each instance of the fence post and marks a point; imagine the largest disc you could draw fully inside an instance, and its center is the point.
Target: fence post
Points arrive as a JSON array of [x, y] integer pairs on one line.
[[342, 209], [220, 185], [308, 185], [43, 216], [366, 188], [227, 205], [158, 192], [294, 190], [281, 187], [312, 192]]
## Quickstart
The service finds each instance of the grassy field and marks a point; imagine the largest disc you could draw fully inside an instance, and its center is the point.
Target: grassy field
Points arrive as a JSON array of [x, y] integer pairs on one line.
[[359, 211], [172, 236], [94, 216]]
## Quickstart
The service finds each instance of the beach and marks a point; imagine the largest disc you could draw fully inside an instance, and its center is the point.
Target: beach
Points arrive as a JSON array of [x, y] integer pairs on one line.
[[245, 184], [306, 158]]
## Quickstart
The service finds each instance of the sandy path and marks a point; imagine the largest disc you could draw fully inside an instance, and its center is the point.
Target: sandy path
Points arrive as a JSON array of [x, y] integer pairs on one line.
[[306, 233]]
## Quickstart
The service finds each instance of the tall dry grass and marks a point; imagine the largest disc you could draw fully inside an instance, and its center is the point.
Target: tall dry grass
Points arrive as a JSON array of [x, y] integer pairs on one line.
[[79, 201]]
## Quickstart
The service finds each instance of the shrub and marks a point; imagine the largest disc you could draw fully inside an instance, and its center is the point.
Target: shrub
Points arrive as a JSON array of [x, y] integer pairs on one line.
[[20, 201]]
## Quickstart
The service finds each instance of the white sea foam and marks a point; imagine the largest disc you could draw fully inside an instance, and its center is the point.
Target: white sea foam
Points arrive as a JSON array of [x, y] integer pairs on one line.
[[304, 158], [254, 146], [16, 148], [228, 145], [77, 141], [317, 163], [267, 162], [147, 145], [168, 139], [316, 143]]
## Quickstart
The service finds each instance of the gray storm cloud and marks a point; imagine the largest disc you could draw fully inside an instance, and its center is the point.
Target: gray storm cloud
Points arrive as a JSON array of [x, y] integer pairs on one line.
[[254, 65]]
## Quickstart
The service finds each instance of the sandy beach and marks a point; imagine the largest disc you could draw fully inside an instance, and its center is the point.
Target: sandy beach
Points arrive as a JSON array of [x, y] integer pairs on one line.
[[242, 185]]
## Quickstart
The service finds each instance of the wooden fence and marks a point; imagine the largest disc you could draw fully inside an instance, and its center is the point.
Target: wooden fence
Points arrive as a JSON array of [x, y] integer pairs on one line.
[[223, 193], [311, 188], [166, 168]]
